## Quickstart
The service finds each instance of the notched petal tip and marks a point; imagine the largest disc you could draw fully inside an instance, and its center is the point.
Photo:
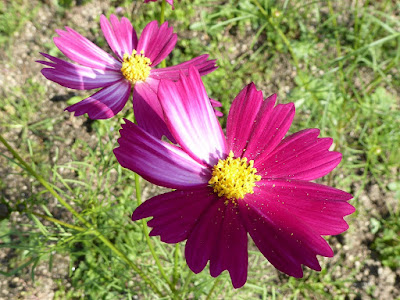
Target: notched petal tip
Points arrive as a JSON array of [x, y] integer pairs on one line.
[[139, 213], [273, 97], [291, 106]]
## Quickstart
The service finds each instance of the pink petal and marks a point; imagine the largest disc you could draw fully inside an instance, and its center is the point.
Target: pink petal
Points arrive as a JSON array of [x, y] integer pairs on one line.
[[220, 237], [269, 127], [81, 50], [157, 42], [175, 213], [120, 35], [241, 116], [321, 207], [191, 119], [230, 250], [148, 111], [204, 236], [157, 161], [104, 104], [172, 73], [215, 103], [300, 156], [77, 77], [282, 238], [218, 113]]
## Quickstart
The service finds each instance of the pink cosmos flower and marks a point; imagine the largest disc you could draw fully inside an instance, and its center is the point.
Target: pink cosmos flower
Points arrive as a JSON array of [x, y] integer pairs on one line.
[[133, 67], [253, 181], [170, 2]]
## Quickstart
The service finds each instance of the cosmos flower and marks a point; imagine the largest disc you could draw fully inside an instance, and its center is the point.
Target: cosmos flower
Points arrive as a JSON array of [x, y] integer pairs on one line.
[[133, 68], [170, 2], [253, 182]]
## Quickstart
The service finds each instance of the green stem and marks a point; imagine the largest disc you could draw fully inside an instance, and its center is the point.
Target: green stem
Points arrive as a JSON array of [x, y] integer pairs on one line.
[[338, 49], [53, 220], [186, 284], [44, 182], [371, 85], [147, 237], [280, 32], [162, 13], [360, 22], [176, 262], [138, 189], [79, 217], [162, 19], [356, 22], [288, 45], [212, 288], [261, 8]]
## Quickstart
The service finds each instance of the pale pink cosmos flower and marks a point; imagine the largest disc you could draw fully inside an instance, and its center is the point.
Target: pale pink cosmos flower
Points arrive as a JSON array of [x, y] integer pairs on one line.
[[133, 67], [253, 182], [170, 2]]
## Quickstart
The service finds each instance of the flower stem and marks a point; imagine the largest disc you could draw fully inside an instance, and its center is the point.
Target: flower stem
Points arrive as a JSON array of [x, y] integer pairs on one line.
[[176, 262], [162, 19], [338, 47], [56, 221], [186, 284], [43, 182], [79, 217], [147, 237], [212, 288], [280, 33], [162, 13]]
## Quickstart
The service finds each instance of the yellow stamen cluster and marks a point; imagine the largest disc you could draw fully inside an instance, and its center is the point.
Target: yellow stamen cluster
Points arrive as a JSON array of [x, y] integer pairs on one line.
[[136, 67], [233, 178]]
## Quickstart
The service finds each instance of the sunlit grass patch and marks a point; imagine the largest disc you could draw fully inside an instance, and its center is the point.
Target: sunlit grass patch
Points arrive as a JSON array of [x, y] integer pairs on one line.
[[338, 64]]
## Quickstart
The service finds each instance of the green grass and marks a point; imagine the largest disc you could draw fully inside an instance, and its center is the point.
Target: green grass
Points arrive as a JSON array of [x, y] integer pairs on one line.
[[13, 15], [345, 81]]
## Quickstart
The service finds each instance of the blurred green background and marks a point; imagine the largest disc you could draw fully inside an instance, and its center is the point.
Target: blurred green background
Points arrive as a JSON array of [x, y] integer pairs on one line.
[[338, 61]]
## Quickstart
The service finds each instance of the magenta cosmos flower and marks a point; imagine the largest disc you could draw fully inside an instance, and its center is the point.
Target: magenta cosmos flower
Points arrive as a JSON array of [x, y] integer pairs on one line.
[[133, 67], [170, 2], [252, 182]]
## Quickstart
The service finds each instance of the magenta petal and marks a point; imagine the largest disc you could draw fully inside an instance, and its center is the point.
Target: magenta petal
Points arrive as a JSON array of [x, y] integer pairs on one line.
[[282, 238], [175, 213], [148, 111], [320, 207], [300, 156], [230, 250], [157, 42], [104, 104], [204, 236], [215, 103], [270, 126], [157, 161], [241, 116], [81, 50], [120, 35], [77, 77], [172, 73], [191, 118], [218, 113]]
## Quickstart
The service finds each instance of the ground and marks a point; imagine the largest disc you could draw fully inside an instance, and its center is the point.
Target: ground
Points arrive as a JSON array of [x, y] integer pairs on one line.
[[356, 265]]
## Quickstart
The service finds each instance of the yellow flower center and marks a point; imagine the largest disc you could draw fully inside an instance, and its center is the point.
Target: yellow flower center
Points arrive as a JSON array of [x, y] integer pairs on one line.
[[233, 178], [136, 67]]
